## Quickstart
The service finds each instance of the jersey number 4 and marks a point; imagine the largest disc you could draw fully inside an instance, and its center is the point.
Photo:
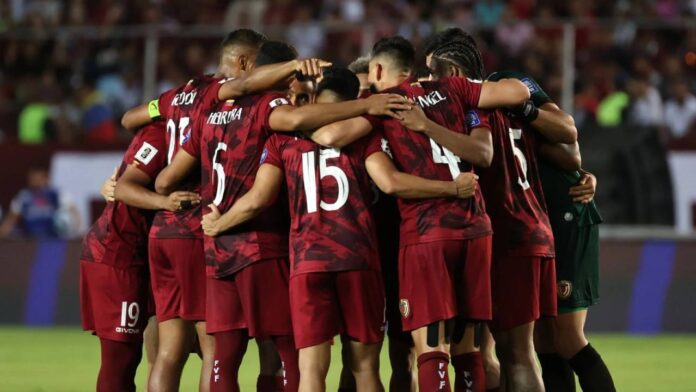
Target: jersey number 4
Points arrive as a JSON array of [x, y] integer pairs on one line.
[[310, 179], [516, 134], [443, 155]]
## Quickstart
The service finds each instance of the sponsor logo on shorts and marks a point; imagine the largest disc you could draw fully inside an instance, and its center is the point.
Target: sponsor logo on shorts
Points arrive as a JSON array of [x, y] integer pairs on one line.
[[404, 308], [128, 331], [565, 288]]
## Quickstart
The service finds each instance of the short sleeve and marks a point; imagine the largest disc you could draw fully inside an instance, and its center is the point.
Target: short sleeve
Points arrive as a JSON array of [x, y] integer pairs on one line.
[[375, 121], [268, 103], [373, 143], [165, 102], [192, 139], [210, 94], [477, 118], [468, 90], [151, 155], [271, 152]]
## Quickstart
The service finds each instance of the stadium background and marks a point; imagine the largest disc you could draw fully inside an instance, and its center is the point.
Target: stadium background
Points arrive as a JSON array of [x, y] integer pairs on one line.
[[625, 69]]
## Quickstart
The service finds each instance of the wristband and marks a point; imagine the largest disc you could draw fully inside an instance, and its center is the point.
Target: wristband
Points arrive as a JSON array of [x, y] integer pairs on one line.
[[153, 109]]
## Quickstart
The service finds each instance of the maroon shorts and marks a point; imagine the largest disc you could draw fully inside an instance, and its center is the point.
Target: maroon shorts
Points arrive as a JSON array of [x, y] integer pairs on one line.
[[524, 289], [325, 304], [443, 280], [114, 301], [177, 275], [255, 298]]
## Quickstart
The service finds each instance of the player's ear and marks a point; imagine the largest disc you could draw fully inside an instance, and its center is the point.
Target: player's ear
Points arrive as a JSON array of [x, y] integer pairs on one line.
[[243, 61], [378, 72], [454, 71]]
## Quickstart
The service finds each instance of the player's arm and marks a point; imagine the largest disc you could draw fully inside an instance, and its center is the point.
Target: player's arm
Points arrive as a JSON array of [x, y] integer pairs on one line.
[[505, 92], [131, 189], [141, 115], [270, 76], [476, 147], [341, 133], [406, 186], [313, 116], [9, 223], [171, 176], [267, 184], [553, 123], [564, 156]]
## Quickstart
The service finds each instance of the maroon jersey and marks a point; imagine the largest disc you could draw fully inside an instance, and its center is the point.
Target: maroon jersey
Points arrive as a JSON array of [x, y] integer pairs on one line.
[[512, 189], [119, 236], [329, 193], [179, 107], [424, 220], [232, 137]]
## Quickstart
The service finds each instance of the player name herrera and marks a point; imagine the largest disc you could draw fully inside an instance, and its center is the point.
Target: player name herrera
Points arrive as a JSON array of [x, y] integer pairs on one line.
[[226, 117]]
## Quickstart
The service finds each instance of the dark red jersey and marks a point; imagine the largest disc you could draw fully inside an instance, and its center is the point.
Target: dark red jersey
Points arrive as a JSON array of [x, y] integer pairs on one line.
[[179, 107], [119, 236], [423, 220], [229, 146], [329, 193], [512, 189]]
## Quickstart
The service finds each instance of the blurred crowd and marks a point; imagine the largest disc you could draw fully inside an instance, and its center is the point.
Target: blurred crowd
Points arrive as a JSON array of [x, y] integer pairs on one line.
[[634, 60]]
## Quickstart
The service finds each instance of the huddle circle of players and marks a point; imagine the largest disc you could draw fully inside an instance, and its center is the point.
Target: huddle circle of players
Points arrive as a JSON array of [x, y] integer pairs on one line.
[[291, 201]]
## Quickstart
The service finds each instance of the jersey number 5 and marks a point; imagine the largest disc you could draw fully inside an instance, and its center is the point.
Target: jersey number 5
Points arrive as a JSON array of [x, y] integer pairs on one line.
[[516, 134], [310, 179]]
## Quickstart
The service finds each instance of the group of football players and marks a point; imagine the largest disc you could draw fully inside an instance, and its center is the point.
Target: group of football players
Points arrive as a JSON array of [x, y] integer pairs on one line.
[[292, 201]]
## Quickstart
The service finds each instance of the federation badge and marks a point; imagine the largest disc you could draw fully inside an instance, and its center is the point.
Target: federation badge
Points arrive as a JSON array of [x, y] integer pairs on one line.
[[565, 288], [404, 308], [146, 153]]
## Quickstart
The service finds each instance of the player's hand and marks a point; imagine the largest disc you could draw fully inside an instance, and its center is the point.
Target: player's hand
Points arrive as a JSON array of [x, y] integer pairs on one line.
[[181, 200], [387, 105], [414, 119], [527, 112], [585, 191], [210, 221], [109, 186], [310, 68], [466, 185]]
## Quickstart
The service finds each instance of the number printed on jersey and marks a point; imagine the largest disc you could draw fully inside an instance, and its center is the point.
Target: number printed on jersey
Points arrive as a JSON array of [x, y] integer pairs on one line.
[[516, 134], [325, 170]]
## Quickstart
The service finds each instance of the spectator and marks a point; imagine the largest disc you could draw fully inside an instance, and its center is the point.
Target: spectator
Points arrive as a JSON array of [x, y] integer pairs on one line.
[[646, 105], [512, 33], [680, 110], [97, 119], [39, 211], [305, 34], [488, 12]]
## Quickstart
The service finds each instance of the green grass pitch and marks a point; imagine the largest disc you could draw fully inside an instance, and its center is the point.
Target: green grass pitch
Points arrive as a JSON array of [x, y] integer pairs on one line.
[[66, 359]]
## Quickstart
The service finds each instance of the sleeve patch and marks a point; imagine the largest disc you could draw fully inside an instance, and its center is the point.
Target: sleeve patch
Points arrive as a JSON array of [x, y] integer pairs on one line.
[[146, 153], [386, 149], [264, 155], [472, 119], [278, 102], [530, 85]]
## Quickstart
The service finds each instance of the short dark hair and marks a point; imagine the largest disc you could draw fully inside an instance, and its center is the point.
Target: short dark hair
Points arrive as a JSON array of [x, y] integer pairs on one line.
[[398, 48], [340, 81], [244, 37], [272, 52], [445, 36], [360, 65], [461, 54]]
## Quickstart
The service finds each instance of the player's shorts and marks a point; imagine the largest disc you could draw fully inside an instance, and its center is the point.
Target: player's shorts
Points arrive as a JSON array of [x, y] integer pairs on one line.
[[177, 275], [524, 289], [253, 298], [577, 267], [325, 304], [443, 280], [114, 301]]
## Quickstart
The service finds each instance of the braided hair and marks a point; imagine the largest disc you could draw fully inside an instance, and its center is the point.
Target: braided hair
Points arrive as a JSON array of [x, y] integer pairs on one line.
[[463, 54]]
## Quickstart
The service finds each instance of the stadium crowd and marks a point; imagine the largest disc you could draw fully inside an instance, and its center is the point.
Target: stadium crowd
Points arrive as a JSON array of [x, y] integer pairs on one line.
[[635, 60]]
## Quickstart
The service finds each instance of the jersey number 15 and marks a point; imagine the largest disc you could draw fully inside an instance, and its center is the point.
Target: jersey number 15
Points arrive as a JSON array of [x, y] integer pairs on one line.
[[325, 170]]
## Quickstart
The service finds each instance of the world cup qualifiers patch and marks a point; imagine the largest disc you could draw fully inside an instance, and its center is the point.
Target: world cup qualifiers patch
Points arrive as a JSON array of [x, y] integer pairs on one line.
[[187, 137], [264, 155], [386, 149], [146, 153], [530, 85], [472, 119], [277, 102]]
